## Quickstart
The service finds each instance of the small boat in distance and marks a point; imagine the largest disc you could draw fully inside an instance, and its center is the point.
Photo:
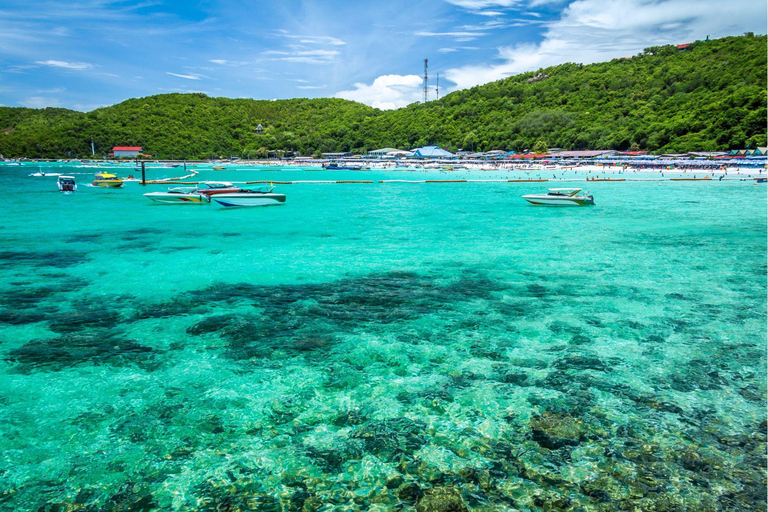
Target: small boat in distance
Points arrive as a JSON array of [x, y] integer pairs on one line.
[[262, 196], [179, 195], [107, 180], [66, 183], [560, 197], [335, 166]]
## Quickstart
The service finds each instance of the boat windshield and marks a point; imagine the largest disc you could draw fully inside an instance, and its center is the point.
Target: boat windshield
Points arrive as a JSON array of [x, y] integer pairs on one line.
[[259, 190], [564, 191], [216, 184]]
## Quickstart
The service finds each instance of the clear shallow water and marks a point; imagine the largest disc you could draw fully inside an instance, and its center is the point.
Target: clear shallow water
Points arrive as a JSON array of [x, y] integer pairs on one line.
[[364, 343]]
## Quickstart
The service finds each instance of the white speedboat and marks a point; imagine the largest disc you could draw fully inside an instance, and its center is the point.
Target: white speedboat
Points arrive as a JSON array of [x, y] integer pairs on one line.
[[180, 195], [66, 183], [250, 197], [560, 197]]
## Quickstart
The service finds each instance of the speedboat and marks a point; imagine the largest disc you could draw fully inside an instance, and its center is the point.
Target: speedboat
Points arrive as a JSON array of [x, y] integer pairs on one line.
[[180, 195], [211, 188], [67, 183], [107, 180], [560, 197], [262, 196]]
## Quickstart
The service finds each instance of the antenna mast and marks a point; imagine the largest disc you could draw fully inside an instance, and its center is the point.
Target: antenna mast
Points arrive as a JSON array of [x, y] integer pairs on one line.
[[425, 80], [437, 87]]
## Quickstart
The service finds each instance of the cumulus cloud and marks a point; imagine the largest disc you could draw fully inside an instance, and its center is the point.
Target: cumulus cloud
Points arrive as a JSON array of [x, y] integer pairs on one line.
[[78, 66], [386, 92], [599, 30]]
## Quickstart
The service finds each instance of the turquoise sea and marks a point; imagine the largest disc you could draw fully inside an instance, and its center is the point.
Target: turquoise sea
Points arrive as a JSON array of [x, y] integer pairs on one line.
[[380, 346]]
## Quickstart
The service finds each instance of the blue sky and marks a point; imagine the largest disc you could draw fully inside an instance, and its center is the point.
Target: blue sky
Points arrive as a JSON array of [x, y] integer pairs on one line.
[[90, 53]]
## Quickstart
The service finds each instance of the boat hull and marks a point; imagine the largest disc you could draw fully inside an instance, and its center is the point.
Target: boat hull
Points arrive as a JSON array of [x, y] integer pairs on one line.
[[108, 183], [166, 198], [249, 199], [559, 201]]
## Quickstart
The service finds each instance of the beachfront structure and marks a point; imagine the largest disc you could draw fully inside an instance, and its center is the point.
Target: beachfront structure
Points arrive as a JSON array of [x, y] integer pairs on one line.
[[259, 129], [400, 154], [606, 153], [126, 151], [382, 152], [336, 155], [432, 152]]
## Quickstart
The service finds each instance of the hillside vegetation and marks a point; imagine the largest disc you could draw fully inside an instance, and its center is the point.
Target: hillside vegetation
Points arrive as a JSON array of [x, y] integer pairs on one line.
[[710, 96]]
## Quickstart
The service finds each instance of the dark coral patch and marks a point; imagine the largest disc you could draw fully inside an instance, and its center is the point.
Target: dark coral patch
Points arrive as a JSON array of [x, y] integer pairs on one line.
[[77, 349], [392, 439], [57, 259], [83, 318]]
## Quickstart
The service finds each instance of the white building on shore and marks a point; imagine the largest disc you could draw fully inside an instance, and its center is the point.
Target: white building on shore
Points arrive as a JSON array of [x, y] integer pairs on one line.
[[126, 151]]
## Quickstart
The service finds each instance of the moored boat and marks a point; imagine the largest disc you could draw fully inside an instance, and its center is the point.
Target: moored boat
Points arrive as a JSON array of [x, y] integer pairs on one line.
[[334, 166], [66, 183], [179, 195], [211, 188], [262, 196], [560, 197], [107, 180]]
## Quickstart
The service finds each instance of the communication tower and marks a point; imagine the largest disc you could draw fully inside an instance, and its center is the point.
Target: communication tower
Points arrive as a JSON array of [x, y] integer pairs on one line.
[[425, 80], [437, 87]]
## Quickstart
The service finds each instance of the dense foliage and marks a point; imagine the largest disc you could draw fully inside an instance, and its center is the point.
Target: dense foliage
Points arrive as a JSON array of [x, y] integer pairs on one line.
[[710, 96]]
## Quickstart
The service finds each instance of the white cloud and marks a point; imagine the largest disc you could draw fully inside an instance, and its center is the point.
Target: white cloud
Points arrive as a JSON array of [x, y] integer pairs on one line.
[[464, 36], [483, 4], [386, 92], [304, 56], [599, 30], [218, 61], [78, 66], [311, 86], [40, 102], [318, 40], [333, 41], [188, 77]]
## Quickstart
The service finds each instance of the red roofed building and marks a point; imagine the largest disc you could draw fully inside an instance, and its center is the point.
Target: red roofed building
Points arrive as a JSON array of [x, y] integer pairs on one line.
[[126, 151], [683, 47]]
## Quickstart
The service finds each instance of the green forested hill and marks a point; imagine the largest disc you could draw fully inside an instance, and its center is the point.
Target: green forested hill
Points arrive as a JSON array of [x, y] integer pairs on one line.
[[710, 96]]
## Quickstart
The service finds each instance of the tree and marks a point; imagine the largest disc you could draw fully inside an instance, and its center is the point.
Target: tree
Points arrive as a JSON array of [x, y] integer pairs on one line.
[[540, 147]]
